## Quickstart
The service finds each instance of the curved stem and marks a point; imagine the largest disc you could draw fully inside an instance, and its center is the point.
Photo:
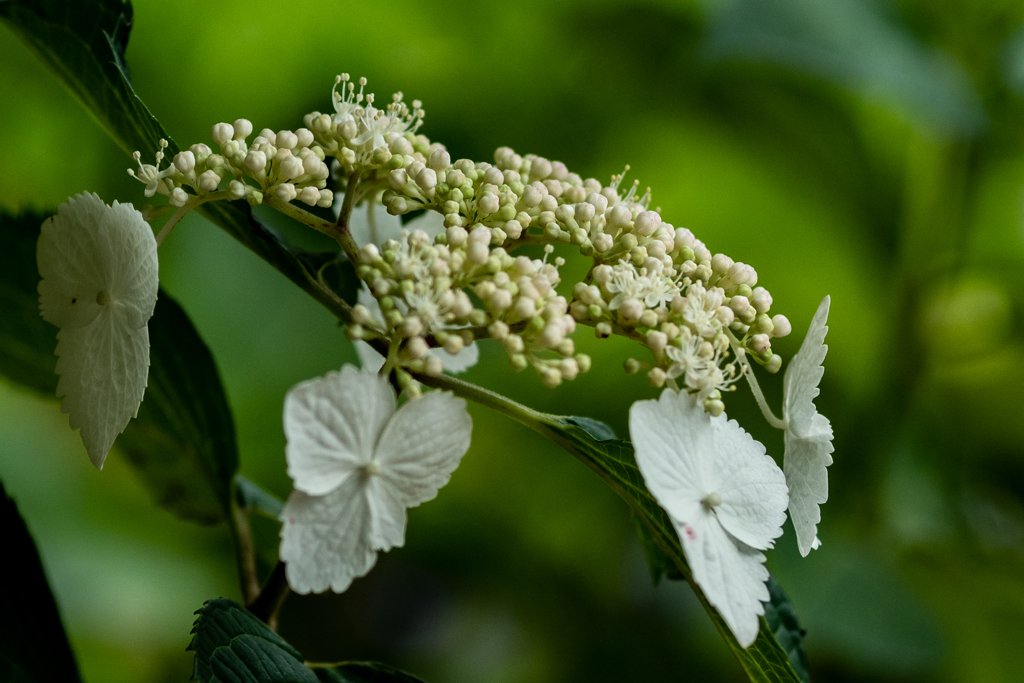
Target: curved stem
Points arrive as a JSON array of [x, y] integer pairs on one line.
[[193, 202], [245, 549], [267, 604], [755, 388]]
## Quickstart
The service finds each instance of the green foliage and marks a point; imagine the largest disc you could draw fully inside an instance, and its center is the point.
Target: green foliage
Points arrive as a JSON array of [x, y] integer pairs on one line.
[[231, 644], [33, 646], [26, 340], [182, 443], [84, 43], [767, 659]]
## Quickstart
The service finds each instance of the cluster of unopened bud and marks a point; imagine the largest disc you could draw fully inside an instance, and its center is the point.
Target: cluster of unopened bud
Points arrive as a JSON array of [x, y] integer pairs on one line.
[[285, 163]]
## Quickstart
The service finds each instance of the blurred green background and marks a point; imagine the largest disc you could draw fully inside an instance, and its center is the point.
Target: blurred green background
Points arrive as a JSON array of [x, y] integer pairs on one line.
[[868, 150]]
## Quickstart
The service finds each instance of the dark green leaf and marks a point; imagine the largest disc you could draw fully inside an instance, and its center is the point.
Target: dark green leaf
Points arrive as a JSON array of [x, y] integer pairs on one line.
[[183, 441], [33, 645], [254, 499], [597, 429], [766, 660], [783, 623], [84, 41], [26, 340], [233, 645]]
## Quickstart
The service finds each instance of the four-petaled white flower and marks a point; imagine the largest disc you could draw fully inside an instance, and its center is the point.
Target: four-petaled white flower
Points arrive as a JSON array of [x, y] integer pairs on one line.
[[726, 497], [357, 464], [99, 286], [808, 434]]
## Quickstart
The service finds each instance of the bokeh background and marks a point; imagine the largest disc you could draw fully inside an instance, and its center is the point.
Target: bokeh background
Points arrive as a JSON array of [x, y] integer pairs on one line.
[[867, 150]]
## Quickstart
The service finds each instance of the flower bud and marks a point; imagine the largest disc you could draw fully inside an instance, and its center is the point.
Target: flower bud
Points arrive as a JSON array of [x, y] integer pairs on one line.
[[178, 197], [185, 161], [309, 195], [417, 348], [439, 159], [242, 129], [759, 343], [720, 263], [761, 299], [647, 222], [209, 181], [222, 132], [236, 189], [781, 326], [619, 216]]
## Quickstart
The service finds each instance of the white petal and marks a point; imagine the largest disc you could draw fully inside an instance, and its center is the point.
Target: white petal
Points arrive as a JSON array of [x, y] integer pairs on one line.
[[332, 425], [99, 285], [365, 228], [730, 573], [460, 362], [430, 222], [387, 515], [674, 444], [806, 460], [422, 446], [752, 487], [325, 540], [804, 373], [809, 435]]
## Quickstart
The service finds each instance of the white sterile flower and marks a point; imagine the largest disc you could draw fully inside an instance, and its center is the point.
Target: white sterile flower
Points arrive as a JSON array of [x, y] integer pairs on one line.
[[808, 434], [99, 286], [726, 497], [357, 464]]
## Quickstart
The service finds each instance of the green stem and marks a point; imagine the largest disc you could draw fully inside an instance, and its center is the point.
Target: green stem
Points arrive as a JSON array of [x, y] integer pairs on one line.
[[319, 224], [245, 549], [755, 388], [267, 604], [193, 202]]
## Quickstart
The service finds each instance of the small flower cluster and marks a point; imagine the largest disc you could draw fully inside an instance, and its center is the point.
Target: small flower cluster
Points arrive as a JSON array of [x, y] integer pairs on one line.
[[286, 165]]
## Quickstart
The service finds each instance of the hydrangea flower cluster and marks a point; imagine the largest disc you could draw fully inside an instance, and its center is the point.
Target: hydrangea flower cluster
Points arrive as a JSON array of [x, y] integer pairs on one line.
[[450, 253]]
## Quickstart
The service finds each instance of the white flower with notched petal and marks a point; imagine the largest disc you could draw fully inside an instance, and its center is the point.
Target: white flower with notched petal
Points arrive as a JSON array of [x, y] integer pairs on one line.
[[99, 286], [726, 497], [357, 464], [808, 434]]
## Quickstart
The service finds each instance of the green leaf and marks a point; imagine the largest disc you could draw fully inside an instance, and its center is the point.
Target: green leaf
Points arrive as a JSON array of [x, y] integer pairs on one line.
[[783, 622], [766, 660], [252, 498], [182, 443], [84, 42], [231, 644], [33, 645], [26, 340]]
